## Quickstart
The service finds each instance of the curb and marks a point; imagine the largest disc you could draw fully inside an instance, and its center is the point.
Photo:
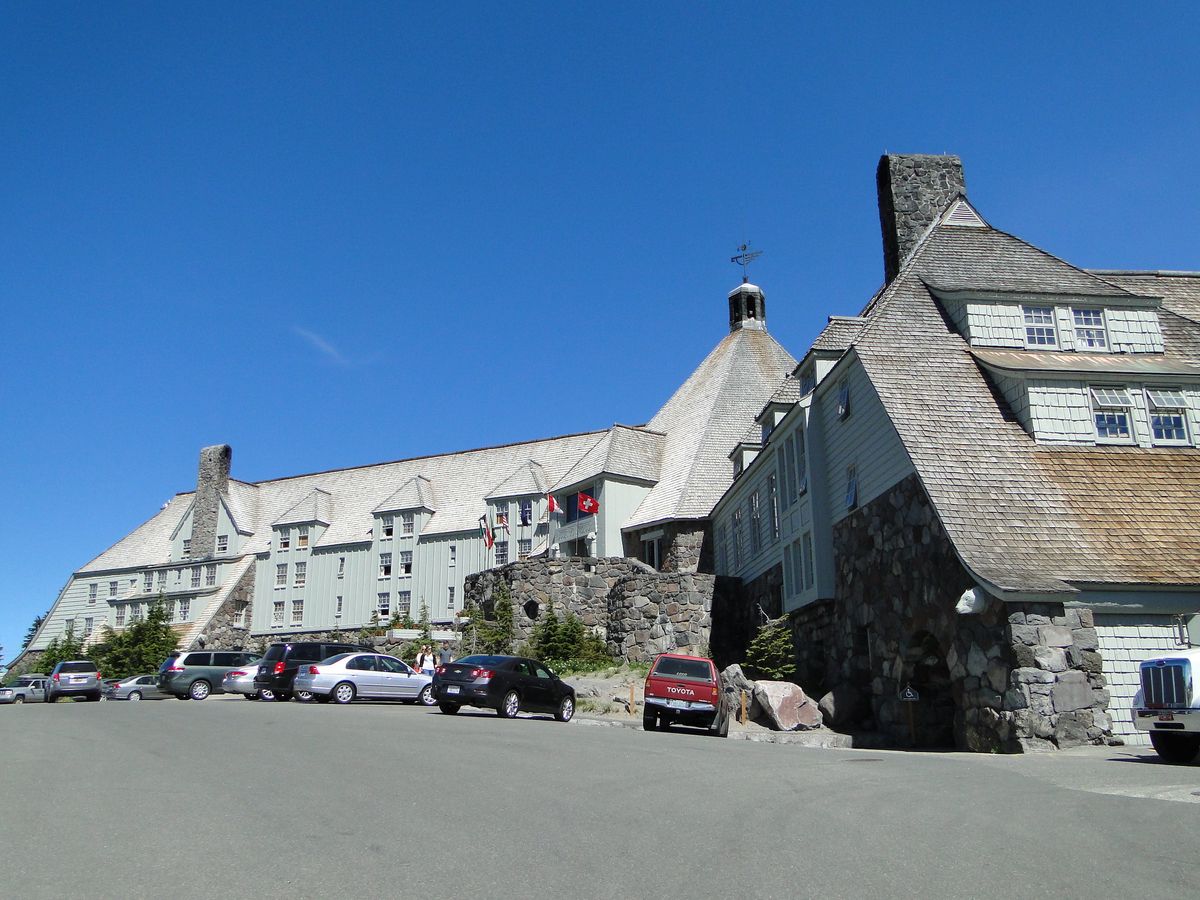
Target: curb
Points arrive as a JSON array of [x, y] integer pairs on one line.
[[821, 740]]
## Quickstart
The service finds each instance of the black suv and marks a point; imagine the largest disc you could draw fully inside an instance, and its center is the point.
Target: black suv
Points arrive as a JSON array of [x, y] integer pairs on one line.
[[277, 669]]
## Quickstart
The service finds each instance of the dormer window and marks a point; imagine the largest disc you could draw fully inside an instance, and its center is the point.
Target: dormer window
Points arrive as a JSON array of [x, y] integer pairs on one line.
[[808, 382], [1110, 412], [187, 547], [389, 527], [1090, 333], [285, 538], [1168, 410], [1040, 330], [302, 538], [843, 399]]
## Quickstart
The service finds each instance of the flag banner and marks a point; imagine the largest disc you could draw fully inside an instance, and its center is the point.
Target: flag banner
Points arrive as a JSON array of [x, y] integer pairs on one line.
[[502, 522], [555, 507], [486, 531], [588, 505]]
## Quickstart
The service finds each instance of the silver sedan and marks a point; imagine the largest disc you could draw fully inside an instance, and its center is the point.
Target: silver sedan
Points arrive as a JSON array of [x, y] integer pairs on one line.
[[372, 676], [241, 681], [137, 687]]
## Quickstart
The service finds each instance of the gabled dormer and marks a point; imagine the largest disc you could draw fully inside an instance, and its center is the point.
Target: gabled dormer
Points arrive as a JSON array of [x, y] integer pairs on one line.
[[302, 526], [408, 509]]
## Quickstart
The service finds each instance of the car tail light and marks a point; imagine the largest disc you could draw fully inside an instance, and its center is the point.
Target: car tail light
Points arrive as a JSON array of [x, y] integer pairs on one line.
[[56, 676], [279, 668], [485, 674], [176, 669], [234, 674], [313, 670], [97, 676], [440, 670]]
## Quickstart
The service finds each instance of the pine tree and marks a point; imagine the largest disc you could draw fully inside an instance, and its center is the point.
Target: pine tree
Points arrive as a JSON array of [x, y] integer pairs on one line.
[[772, 654], [138, 649], [29, 635]]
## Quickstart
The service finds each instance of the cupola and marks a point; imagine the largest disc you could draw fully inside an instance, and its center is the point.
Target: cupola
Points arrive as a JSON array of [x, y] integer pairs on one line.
[[747, 307]]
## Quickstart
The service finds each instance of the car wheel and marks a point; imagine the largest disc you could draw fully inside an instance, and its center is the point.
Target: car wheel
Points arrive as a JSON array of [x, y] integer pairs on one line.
[[304, 696], [266, 694], [509, 706], [200, 689], [343, 692], [135, 695], [1175, 748], [448, 708], [649, 720], [566, 709], [425, 698], [18, 699]]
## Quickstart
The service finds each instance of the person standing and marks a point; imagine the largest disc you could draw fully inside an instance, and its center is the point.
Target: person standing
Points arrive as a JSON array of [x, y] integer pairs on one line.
[[445, 657], [426, 660]]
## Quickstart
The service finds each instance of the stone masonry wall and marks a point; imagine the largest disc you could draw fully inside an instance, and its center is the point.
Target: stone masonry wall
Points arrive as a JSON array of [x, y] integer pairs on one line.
[[212, 479], [660, 612], [913, 190], [1008, 677], [686, 546], [223, 631]]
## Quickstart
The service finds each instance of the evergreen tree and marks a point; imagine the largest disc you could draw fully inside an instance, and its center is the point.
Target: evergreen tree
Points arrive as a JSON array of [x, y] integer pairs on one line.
[[62, 649], [138, 649], [772, 654], [29, 635]]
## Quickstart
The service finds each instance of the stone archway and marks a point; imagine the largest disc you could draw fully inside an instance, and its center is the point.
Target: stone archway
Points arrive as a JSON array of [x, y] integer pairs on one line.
[[925, 668]]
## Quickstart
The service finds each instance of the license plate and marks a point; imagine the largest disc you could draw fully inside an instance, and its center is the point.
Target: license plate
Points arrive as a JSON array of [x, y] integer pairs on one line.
[[452, 689], [78, 679], [1166, 717], [677, 704]]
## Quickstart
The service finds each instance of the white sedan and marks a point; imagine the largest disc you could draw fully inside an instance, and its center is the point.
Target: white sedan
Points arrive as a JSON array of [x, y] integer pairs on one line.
[[366, 676]]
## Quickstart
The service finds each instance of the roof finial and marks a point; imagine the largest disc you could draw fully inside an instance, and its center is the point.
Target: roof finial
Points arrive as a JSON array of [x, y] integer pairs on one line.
[[744, 257]]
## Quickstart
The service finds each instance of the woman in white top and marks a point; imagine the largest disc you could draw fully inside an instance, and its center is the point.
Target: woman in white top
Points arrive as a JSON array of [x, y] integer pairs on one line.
[[426, 660]]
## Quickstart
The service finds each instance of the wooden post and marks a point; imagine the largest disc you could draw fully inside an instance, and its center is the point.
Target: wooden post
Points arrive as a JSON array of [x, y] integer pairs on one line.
[[742, 719], [632, 702]]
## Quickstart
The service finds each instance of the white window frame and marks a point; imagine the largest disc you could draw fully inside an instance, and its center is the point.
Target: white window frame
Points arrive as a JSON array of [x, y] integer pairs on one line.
[[383, 604], [501, 553], [187, 548], [524, 548], [285, 538], [119, 610], [453, 555], [112, 589], [407, 523], [89, 625], [525, 511], [298, 611], [450, 597], [755, 505], [337, 611], [300, 575], [387, 528], [403, 602], [843, 398], [406, 562], [93, 593], [1168, 402], [162, 579], [1091, 336], [147, 582], [1113, 402], [302, 538], [281, 575], [277, 614], [385, 565], [195, 576], [341, 567], [222, 543], [185, 608], [210, 576], [1041, 327]]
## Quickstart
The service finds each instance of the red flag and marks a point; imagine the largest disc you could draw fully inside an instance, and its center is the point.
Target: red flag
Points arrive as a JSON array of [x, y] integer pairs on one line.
[[486, 531], [588, 505], [554, 507]]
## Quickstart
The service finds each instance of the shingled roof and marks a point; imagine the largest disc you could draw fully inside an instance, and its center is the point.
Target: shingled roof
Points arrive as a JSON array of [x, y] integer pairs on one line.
[[1027, 517]]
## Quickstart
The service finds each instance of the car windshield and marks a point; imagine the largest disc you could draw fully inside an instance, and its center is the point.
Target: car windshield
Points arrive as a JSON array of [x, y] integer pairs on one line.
[[77, 667], [482, 660], [167, 663], [673, 667]]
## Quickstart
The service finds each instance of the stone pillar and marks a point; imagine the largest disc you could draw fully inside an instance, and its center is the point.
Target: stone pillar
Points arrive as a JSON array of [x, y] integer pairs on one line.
[[913, 191], [212, 481]]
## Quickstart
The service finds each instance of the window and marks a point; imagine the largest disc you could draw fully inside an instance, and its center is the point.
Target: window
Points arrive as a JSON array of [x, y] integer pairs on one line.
[[450, 599], [178, 575], [501, 552], [843, 398], [801, 463], [1168, 409], [755, 523], [1110, 411], [341, 567], [406, 562], [384, 605], [112, 589], [277, 614], [1040, 330], [92, 589], [135, 612], [239, 614], [773, 507], [120, 608], [170, 608], [652, 551], [187, 547], [210, 576], [302, 538], [301, 574], [285, 538], [1089, 329], [88, 625], [147, 582], [222, 543], [807, 557], [337, 610], [453, 554], [851, 487], [524, 546], [808, 382], [571, 509], [297, 612], [162, 579], [404, 602], [737, 538], [788, 460], [385, 565], [185, 607], [281, 575], [406, 523], [195, 576], [387, 528], [526, 512]]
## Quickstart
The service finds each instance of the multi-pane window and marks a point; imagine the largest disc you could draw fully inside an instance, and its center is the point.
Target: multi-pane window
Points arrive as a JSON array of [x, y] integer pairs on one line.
[[1168, 409], [404, 602], [337, 611], [147, 582], [384, 605], [88, 625], [210, 576], [851, 487], [406, 562], [1110, 411], [773, 507], [843, 399], [737, 538], [169, 608], [285, 538], [501, 552], [120, 609], [239, 614], [69, 627], [388, 527], [301, 574], [302, 538], [185, 607], [297, 612], [406, 523], [222, 543], [524, 546], [92, 589], [453, 554], [526, 511], [755, 523], [801, 463], [162, 579], [281, 575], [341, 567], [1089, 329], [1040, 330], [385, 565], [112, 589], [277, 614], [187, 547], [787, 460], [135, 612], [450, 599], [195, 576]]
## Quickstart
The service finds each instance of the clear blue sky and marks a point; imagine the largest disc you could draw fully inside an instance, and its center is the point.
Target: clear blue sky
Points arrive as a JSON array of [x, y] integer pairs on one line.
[[337, 234]]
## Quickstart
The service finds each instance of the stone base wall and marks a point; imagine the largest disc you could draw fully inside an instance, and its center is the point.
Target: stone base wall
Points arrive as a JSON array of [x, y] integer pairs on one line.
[[223, 632], [686, 546], [660, 612], [1008, 677]]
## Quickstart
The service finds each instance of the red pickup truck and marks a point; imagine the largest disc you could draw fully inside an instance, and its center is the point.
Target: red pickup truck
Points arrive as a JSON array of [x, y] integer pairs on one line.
[[685, 690]]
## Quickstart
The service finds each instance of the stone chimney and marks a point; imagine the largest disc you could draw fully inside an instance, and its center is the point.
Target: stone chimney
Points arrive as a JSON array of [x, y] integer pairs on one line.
[[211, 482], [747, 307], [913, 191]]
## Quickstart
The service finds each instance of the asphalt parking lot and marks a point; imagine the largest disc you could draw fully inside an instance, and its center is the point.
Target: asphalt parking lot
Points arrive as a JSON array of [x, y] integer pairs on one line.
[[238, 799]]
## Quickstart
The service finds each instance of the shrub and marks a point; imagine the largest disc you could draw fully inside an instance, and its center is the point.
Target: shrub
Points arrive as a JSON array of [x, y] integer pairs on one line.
[[772, 655], [139, 649], [568, 645]]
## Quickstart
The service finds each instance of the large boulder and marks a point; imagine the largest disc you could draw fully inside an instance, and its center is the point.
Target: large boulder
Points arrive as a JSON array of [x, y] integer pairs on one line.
[[733, 683], [784, 706], [843, 707]]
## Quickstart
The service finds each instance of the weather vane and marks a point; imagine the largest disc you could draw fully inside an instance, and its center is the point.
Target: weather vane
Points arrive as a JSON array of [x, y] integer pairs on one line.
[[744, 257]]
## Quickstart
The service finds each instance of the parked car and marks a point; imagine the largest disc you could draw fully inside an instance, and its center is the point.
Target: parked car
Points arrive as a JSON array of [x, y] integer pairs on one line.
[[26, 689], [74, 678], [278, 667], [507, 684], [241, 681], [137, 687], [365, 676], [198, 673], [685, 690], [1167, 705]]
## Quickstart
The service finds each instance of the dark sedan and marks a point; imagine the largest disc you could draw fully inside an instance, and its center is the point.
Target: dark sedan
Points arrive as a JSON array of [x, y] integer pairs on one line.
[[507, 684]]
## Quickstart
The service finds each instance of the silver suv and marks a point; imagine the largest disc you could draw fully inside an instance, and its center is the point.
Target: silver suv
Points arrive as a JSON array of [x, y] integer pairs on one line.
[[198, 673], [75, 678], [27, 689]]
